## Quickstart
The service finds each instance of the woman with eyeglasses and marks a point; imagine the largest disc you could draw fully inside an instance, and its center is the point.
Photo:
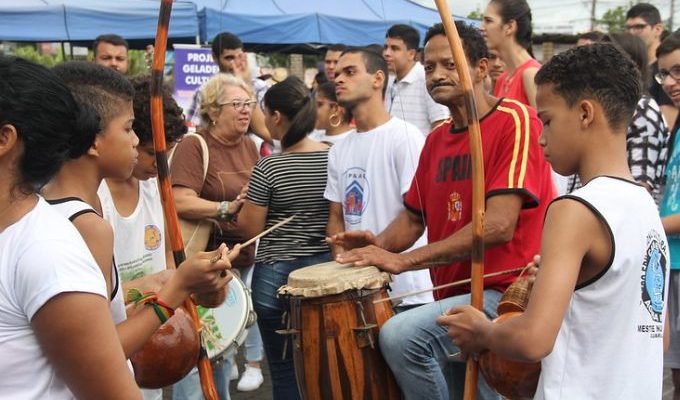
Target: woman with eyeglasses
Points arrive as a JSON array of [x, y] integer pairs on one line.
[[218, 196], [332, 120], [506, 27], [283, 185]]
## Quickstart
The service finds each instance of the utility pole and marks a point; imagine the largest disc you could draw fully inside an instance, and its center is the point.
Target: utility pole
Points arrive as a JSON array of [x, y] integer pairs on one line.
[[670, 20], [592, 15]]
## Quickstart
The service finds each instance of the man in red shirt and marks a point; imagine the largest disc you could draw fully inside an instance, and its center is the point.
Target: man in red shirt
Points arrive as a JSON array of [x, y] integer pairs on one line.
[[518, 188]]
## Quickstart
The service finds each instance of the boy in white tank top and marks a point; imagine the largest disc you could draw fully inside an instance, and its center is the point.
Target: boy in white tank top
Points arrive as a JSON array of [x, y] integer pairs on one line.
[[596, 314]]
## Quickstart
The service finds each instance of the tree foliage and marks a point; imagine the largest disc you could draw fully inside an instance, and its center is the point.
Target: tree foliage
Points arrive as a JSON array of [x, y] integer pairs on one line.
[[614, 19]]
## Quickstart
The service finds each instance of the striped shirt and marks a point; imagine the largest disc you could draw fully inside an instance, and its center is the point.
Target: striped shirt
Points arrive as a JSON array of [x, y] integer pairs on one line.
[[408, 99], [291, 184], [646, 144]]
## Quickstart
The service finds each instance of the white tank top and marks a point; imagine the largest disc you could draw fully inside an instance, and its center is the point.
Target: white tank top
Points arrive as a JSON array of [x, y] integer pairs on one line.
[[139, 239], [610, 344], [72, 208]]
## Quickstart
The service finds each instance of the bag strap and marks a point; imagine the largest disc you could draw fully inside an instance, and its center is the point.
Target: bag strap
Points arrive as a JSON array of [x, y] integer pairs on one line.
[[205, 155]]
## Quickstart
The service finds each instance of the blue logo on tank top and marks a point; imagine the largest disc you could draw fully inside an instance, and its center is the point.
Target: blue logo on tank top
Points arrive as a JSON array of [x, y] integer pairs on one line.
[[653, 278]]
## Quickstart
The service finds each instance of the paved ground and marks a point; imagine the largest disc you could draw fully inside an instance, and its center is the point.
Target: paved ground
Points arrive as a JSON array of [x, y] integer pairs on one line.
[[264, 392]]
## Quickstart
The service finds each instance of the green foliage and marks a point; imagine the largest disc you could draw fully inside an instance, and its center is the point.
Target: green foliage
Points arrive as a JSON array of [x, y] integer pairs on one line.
[[32, 54], [476, 14], [614, 19]]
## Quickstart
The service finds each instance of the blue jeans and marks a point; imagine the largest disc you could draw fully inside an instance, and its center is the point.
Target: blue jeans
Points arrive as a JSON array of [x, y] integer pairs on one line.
[[253, 341], [189, 388], [417, 349], [267, 279]]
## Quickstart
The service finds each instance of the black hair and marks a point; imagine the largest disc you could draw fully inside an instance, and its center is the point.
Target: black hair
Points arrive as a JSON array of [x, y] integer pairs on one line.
[[633, 47], [327, 90], [101, 87], [291, 98], [373, 61], [645, 11], [519, 11], [473, 41], [593, 36], [225, 41], [173, 119], [320, 78], [111, 38], [336, 47], [49, 122], [600, 72], [669, 45], [375, 47], [408, 34]]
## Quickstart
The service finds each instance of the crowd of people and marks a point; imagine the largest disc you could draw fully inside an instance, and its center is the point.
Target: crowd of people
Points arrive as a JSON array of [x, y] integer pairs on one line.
[[581, 181]]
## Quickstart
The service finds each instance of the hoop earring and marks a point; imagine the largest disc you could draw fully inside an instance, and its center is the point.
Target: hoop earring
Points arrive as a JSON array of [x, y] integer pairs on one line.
[[337, 122]]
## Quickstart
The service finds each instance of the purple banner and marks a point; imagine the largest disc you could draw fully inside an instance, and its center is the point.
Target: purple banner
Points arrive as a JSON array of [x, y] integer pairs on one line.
[[193, 67]]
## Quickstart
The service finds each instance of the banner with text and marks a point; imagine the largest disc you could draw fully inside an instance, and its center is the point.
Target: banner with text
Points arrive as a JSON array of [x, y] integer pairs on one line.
[[194, 65]]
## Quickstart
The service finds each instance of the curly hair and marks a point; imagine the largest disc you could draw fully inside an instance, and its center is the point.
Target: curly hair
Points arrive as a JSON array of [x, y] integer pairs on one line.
[[212, 90], [599, 72], [473, 41], [172, 113]]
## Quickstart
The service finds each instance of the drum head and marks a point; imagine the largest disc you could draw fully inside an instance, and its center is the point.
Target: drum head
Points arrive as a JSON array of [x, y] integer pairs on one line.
[[332, 278], [224, 326]]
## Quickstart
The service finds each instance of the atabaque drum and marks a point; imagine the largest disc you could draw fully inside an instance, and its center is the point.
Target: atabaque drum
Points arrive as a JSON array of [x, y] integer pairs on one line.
[[335, 324]]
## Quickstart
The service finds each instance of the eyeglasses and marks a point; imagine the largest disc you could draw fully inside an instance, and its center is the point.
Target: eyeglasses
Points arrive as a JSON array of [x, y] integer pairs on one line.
[[636, 27], [663, 74], [240, 104]]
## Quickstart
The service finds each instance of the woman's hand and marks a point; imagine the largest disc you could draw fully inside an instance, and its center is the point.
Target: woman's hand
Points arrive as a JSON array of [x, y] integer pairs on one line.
[[236, 205]]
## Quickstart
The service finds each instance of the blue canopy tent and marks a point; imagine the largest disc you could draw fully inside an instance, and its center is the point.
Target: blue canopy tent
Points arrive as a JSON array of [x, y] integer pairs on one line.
[[289, 22], [84, 20]]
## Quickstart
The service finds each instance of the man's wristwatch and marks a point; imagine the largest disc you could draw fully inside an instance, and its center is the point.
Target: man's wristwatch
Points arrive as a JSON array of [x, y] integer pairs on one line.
[[223, 211]]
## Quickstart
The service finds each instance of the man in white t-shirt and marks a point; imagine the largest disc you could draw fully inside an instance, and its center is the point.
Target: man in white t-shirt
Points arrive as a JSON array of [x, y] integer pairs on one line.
[[370, 170], [406, 96]]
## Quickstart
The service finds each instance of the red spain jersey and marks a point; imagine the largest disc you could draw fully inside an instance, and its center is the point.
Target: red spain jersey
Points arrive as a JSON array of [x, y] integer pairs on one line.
[[513, 163]]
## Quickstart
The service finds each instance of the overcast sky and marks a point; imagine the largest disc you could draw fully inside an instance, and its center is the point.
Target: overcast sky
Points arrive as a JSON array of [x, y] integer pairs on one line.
[[561, 15]]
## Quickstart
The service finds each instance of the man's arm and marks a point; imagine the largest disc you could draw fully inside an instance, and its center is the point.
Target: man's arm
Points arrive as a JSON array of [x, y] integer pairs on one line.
[[572, 238], [335, 226], [502, 212]]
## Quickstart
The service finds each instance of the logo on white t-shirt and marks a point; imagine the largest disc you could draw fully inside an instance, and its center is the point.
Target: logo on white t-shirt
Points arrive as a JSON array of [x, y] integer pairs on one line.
[[653, 277], [152, 237], [356, 195]]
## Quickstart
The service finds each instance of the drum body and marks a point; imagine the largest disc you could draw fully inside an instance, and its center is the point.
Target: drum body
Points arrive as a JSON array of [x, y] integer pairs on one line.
[[225, 327], [335, 335]]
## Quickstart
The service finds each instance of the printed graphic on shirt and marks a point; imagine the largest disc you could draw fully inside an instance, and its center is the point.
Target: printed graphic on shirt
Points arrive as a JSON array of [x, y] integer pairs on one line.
[[653, 276], [455, 207], [357, 195], [152, 237]]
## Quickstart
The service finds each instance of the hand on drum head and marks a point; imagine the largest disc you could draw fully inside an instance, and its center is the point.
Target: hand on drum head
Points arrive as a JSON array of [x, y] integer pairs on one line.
[[375, 256], [352, 239], [205, 272], [467, 327]]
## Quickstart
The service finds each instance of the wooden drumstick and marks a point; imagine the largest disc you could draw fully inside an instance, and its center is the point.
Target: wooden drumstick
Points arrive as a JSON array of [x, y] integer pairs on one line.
[[447, 285], [253, 240]]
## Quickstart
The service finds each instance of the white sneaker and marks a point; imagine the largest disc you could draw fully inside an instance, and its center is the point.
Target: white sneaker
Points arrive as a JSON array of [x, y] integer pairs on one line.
[[234, 372], [250, 380]]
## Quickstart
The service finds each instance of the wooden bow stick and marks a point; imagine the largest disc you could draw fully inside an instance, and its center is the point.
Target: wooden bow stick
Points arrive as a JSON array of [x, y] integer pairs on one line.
[[169, 211], [477, 286], [448, 285], [254, 238]]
